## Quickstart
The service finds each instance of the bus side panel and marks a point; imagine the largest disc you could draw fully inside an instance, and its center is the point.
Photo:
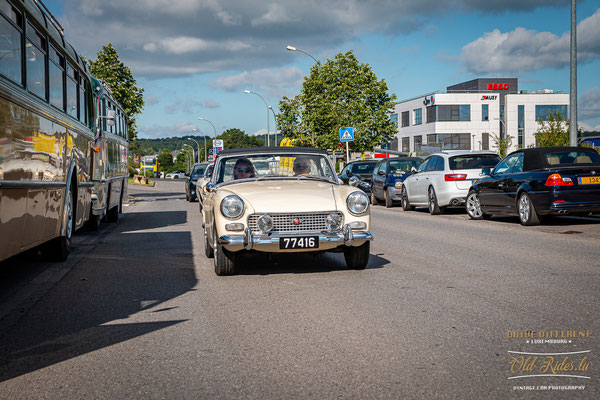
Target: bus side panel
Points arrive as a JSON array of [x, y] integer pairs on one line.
[[79, 146], [13, 207]]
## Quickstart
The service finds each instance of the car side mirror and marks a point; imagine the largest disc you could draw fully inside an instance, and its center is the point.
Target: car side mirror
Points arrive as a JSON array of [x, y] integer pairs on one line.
[[380, 173], [348, 173], [486, 171], [354, 181], [110, 117], [210, 187], [413, 169]]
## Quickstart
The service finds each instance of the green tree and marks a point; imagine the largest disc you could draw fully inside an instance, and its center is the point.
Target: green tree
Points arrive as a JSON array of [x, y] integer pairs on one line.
[[234, 138], [118, 76], [165, 160], [554, 132], [502, 144], [339, 93]]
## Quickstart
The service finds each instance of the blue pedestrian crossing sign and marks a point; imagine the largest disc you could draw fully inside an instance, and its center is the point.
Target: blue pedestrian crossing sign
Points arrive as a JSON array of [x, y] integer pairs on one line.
[[346, 134]]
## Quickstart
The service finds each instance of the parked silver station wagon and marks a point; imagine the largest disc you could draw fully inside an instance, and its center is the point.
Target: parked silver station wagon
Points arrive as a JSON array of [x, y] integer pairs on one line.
[[282, 200]]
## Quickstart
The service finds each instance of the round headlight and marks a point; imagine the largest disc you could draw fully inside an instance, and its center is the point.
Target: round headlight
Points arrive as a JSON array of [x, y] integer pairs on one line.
[[334, 222], [265, 223], [232, 207], [357, 203]]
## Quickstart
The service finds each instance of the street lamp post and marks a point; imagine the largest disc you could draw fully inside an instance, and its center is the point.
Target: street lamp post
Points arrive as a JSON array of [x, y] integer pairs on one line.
[[266, 105], [215, 129], [197, 158], [292, 48], [274, 119], [189, 167], [504, 132]]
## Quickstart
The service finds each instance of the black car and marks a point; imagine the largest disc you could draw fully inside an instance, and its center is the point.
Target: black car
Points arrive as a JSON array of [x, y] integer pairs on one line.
[[540, 181], [388, 176], [363, 170], [190, 182]]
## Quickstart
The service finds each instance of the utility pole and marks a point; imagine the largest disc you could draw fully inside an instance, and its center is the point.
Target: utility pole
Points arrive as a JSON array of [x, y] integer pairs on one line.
[[573, 91]]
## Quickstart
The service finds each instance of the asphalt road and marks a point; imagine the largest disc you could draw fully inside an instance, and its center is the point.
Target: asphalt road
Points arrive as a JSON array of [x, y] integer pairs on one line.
[[138, 313]]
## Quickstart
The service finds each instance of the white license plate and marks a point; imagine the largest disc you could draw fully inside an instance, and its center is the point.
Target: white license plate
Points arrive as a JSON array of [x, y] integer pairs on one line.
[[299, 242]]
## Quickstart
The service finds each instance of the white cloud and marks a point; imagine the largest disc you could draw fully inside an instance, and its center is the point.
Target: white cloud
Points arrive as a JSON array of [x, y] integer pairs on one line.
[[276, 78], [588, 105], [527, 50], [276, 14], [189, 105], [158, 131], [587, 127]]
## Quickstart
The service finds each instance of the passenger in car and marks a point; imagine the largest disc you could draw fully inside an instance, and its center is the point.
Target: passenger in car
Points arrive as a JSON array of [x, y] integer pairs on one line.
[[243, 169], [301, 166]]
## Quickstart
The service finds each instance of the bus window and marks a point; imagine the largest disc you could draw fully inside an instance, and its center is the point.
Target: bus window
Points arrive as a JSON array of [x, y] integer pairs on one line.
[[10, 42], [71, 91], [56, 68], [82, 101], [35, 55]]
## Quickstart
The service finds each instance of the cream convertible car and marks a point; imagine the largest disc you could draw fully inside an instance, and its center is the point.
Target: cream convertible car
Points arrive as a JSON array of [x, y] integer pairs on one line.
[[296, 205]]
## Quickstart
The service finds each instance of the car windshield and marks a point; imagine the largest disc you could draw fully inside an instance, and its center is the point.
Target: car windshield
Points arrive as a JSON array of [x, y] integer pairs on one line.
[[403, 166], [572, 157], [474, 161], [198, 171], [274, 166], [363, 167]]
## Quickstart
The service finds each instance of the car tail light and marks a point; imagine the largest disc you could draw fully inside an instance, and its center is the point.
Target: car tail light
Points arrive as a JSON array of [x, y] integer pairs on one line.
[[455, 177], [558, 202], [557, 180]]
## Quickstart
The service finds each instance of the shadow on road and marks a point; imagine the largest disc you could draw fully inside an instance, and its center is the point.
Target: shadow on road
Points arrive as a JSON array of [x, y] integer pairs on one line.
[[125, 273]]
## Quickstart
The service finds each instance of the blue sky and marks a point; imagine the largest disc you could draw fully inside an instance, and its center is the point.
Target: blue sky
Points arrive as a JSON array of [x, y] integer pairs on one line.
[[195, 57]]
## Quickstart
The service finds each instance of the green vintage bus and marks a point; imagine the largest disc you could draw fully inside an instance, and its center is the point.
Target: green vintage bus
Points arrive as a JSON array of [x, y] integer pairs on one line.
[[63, 138]]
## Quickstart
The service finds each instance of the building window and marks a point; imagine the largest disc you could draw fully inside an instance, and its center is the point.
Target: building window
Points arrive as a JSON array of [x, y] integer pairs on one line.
[[542, 112], [431, 114], [485, 141], [394, 119], [521, 124], [501, 121], [450, 141], [404, 118], [418, 116], [406, 144], [454, 112], [485, 112], [418, 143]]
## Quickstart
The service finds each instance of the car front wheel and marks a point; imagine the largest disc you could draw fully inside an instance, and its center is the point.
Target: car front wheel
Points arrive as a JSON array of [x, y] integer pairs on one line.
[[434, 208], [405, 202], [388, 200], [208, 250], [473, 207], [357, 257], [374, 200], [527, 214], [224, 260]]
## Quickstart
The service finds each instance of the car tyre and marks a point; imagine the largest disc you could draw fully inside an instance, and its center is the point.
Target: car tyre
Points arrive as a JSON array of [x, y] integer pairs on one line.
[[357, 257], [59, 248], [208, 250], [405, 203], [224, 260], [388, 201], [473, 207], [527, 214], [434, 208], [187, 197], [374, 200]]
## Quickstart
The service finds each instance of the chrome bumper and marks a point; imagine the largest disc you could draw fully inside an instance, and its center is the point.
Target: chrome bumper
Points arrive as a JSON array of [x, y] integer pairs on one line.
[[250, 241]]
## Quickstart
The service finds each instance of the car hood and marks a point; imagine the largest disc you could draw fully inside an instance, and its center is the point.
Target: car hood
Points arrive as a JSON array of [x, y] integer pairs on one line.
[[289, 195]]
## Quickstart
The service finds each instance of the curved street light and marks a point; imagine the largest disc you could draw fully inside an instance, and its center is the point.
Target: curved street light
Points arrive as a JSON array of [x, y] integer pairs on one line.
[[292, 48], [274, 119], [196, 158], [215, 129], [189, 167], [266, 105]]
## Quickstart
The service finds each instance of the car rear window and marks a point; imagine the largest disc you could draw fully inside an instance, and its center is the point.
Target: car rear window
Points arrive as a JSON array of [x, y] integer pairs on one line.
[[572, 157], [474, 161], [363, 168], [198, 172], [401, 166]]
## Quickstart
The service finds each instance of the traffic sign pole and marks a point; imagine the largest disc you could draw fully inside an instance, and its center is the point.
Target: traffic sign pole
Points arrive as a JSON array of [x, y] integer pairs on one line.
[[347, 153]]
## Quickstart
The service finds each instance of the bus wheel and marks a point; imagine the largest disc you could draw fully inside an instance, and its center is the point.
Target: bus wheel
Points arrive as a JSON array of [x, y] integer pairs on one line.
[[59, 248], [112, 215]]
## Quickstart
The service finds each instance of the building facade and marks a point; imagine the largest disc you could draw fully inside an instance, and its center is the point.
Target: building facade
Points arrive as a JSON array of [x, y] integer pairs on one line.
[[469, 115]]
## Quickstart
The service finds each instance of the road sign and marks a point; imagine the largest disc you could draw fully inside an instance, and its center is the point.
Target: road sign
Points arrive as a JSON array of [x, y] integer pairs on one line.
[[346, 134]]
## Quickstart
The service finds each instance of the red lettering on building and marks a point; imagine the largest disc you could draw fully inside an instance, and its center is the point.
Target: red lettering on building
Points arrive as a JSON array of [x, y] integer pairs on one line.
[[497, 86]]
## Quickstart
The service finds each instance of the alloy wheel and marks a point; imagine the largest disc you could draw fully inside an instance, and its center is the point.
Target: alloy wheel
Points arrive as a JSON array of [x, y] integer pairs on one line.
[[473, 206], [524, 208]]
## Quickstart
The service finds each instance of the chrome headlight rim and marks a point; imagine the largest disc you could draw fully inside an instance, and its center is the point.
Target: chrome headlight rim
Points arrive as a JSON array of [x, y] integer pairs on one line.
[[232, 198], [362, 198]]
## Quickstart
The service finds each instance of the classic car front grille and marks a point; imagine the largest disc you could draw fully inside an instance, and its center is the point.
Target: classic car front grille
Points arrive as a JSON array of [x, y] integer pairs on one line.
[[308, 222]]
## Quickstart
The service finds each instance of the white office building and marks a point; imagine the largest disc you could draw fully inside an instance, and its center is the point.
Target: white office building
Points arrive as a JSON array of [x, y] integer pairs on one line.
[[470, 114]]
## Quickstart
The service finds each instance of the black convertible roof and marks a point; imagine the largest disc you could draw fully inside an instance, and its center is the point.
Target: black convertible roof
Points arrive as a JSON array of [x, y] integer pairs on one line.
[[271, 150], [534, 158]]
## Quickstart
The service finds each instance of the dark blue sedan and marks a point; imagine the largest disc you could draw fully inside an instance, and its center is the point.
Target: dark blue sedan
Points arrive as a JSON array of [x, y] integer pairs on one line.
[[388, 177], [535, 182]]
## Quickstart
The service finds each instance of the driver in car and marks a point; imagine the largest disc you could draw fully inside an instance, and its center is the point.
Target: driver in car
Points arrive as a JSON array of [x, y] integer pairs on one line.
[[301, 166], [243, 169]]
